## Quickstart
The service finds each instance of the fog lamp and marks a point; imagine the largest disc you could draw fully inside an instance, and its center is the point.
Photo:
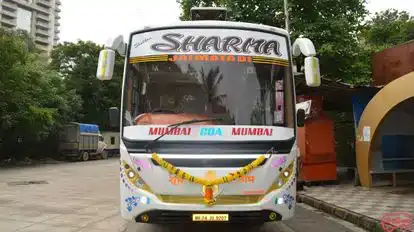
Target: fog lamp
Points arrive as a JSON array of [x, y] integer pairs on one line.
[[280, 182], [145, 218], [272, 216]]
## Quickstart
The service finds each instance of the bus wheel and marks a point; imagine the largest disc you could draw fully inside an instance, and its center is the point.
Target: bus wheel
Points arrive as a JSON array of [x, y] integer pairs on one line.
[[104, 155], [85, 156]]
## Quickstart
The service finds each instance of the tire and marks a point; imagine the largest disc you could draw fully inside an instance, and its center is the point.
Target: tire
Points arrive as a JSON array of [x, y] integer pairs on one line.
[[85, 156], [104, 155]]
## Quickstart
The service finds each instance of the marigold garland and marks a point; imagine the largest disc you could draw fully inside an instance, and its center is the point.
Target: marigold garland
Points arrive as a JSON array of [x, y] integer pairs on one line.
[[208, 184]]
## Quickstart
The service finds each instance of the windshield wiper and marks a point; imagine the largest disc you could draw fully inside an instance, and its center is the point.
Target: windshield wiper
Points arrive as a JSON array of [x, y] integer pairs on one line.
[[149, 145]]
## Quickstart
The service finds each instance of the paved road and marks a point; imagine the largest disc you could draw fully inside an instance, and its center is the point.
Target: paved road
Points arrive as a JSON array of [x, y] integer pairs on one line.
[[84, 197]]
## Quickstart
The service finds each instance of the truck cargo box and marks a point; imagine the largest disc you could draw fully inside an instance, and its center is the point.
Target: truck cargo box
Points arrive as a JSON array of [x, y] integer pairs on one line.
[[78, 137]]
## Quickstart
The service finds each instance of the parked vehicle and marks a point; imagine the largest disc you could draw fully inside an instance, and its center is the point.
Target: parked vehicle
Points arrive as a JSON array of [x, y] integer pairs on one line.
[[208, 121], [111, 139], [81, 141]]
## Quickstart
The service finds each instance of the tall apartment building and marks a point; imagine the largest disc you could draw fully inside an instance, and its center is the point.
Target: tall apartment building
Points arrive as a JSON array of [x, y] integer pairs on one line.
[[39, 17]]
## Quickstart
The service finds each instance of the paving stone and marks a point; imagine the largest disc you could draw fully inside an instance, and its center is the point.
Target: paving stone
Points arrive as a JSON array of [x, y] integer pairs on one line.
[[44, 228]]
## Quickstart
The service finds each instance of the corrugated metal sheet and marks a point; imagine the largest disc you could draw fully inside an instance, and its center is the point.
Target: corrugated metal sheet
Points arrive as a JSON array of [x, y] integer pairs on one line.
[[392, 63], [336, 95]]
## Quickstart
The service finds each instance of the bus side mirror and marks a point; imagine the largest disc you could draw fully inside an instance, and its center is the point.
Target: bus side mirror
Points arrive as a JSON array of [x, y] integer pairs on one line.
[[106, 65], [312, 72], [114, 117], [300, 117], [305, 46]]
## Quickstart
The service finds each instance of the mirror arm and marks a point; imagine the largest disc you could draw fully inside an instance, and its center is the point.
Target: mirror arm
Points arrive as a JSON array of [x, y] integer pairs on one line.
[[117, 44], [303, 46]]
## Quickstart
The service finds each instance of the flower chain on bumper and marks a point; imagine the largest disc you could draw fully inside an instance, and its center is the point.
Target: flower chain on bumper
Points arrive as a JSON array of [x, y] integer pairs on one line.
[[208, 184]]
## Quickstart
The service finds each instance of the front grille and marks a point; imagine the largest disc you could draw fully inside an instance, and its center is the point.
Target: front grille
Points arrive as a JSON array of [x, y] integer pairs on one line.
[[173, 217], [209, 163], [221, 200]]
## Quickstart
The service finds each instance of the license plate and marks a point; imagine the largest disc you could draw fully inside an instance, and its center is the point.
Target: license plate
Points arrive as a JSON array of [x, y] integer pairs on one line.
[[210, 217]]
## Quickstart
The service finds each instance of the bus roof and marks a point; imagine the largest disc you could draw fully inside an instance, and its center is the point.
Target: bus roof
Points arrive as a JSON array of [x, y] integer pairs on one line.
[[205, 23]]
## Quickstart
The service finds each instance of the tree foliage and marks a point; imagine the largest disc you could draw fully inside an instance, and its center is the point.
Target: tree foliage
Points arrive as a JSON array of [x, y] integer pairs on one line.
[[77, 63], [38, 97], [389, 28], [34, 100], [333, 26]]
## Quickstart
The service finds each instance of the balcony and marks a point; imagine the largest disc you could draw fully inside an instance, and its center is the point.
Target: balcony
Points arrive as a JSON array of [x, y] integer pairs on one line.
[[44, 3], [43, 17], [58, 9], [56, 38], [58, 3], [42, 47], [42, 25], [8, 4], [29, 5], [42, 40], [41, 32], [8, 22], [57, 31], [10, 14], [57, 17], [57, 24]]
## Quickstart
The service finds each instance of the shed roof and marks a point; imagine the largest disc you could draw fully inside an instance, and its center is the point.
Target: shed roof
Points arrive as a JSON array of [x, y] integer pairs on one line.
[[337, 95]]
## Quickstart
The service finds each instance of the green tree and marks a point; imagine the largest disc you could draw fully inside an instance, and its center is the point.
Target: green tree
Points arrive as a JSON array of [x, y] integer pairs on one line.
[[388, 28], [77, 63], [333, 26], [33, 98]]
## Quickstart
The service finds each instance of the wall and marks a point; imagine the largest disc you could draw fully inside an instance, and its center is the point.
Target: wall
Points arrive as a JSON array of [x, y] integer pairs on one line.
[[392, 63], [359, 102]]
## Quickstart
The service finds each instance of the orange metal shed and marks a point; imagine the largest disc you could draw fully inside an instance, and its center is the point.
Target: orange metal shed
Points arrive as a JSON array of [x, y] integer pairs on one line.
[[316, 144]]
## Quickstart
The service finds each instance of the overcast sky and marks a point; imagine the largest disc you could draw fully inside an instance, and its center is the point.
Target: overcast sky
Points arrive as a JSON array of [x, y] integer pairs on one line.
[[98, 20]]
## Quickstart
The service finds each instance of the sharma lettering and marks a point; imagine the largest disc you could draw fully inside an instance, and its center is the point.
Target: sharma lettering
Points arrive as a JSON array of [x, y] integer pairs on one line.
[[176, 42], [169, 131], [252, 131]]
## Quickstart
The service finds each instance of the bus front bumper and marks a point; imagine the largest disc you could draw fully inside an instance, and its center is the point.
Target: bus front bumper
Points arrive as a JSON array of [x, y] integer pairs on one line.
[[275, 206]]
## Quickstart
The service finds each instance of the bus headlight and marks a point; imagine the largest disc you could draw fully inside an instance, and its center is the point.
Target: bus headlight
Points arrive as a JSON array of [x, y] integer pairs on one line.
[[131, 174], [285, 175], [133, 177]]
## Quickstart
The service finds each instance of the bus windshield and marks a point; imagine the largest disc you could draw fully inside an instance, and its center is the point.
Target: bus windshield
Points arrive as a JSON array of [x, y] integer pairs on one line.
[[242, 76], [242, 93]]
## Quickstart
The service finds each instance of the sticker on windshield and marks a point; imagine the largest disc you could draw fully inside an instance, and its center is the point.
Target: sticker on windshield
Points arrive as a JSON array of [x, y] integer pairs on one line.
[[169, 131], [209, 58], [252, 131], [211, 131]]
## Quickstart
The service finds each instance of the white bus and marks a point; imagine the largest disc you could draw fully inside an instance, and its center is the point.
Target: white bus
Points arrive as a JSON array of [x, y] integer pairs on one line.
[[208, 121]]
